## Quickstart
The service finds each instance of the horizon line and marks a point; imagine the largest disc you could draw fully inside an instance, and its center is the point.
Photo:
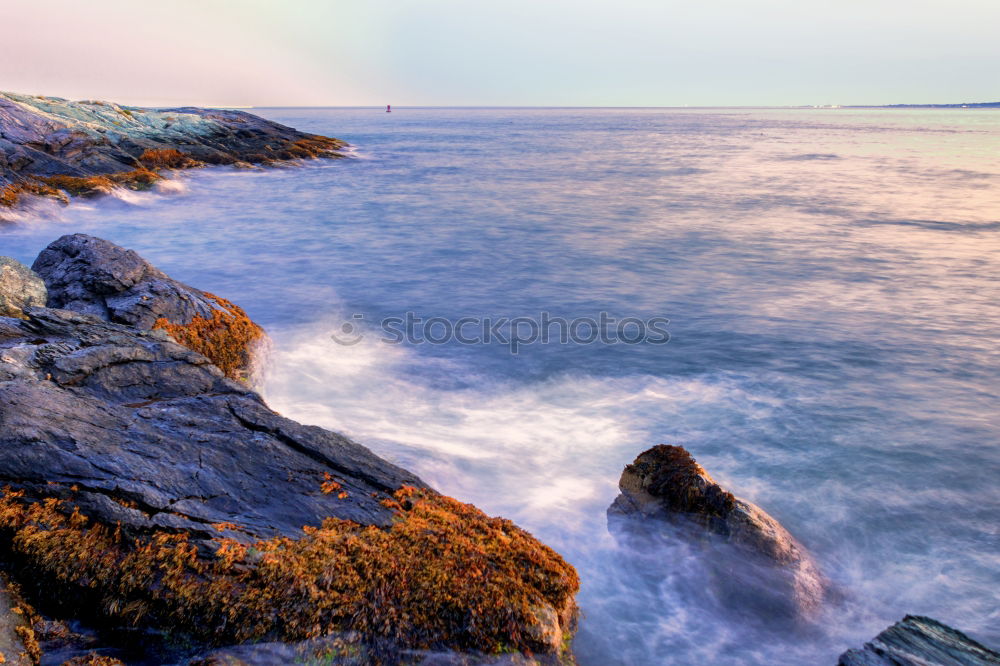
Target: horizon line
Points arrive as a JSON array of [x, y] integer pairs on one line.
[[956, 105]]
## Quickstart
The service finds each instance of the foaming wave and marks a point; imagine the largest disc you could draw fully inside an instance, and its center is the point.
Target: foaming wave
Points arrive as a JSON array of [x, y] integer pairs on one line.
[[172, 186], [32, 209], [548, 455], [536, 452]]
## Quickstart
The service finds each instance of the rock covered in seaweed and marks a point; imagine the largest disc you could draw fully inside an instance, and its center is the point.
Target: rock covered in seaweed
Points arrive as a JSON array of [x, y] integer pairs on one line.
[[49, 144], [93, 276], [20, 287], [665, 485], [18, 646], [348, 650], [921, 641], [145, 486]]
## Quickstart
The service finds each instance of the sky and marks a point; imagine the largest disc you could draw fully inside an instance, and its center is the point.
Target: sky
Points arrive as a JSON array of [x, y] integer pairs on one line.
[[503, 52]]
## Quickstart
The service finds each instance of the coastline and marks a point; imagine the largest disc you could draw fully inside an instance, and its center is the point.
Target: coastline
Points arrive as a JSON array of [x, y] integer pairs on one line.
[[209, 283], [56, 148]]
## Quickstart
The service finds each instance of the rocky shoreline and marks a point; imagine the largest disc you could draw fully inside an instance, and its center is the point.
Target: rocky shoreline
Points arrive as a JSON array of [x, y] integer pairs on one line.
[[142, 487], [154, 509], [56, 148]]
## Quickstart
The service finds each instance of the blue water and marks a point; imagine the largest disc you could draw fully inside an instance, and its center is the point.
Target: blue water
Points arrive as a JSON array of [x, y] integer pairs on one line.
[[832, 281]]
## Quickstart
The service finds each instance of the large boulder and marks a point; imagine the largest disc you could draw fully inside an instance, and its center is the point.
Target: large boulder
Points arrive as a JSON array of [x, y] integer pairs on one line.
[[921, 641], [142, 486], [19, 288], [665, 486], [93, 276]]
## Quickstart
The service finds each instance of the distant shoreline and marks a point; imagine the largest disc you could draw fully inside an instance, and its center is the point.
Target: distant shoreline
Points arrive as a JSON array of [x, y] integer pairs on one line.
[[966, 105]]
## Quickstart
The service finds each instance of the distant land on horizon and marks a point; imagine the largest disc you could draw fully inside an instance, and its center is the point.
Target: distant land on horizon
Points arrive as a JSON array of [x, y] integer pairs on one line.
[[964, 105]]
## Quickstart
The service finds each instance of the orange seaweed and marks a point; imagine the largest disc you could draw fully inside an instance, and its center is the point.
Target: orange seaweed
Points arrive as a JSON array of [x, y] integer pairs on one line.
[[227, 339], [442, 575]]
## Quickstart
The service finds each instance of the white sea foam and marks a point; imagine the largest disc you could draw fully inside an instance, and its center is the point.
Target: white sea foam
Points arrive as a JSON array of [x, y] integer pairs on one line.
[[497, 444], [173, 185]]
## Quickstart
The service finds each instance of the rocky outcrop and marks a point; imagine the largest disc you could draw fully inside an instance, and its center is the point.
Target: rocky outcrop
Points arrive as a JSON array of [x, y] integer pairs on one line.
[[921, 641], [664, 485], [19, 288], [92, 276], [50, 145], [154, 436], [143, 487]]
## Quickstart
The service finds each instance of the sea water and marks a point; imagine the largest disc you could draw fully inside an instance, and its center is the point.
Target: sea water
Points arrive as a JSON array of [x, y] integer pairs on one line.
[[832, 284]]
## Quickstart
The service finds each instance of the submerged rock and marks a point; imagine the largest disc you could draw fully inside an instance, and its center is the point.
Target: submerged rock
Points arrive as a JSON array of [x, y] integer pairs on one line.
[[19, 288], [143, 487], [664, 485], [921, 641], [50, 145], [93, 276]]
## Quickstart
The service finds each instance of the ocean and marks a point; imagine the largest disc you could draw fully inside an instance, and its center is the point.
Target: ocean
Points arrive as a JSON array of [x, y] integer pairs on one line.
[[831, 279]]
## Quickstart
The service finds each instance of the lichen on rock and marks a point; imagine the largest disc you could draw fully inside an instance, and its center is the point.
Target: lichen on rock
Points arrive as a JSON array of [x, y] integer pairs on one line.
[[53, 147], [20, 287]]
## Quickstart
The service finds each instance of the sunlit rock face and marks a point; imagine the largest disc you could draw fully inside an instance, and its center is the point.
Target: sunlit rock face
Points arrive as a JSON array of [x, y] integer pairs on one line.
[[921, 641], [51, 146], [752, 559], [20, 287]]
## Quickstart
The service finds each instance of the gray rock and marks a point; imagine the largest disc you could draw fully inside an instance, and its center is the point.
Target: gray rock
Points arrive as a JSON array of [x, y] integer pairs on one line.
[[151, 435], [665, 486], [19, 288], [147, 438], [921, 641], [93, 276]]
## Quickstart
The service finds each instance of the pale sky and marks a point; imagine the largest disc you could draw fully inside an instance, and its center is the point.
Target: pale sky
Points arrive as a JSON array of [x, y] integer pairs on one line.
[[503, 52]]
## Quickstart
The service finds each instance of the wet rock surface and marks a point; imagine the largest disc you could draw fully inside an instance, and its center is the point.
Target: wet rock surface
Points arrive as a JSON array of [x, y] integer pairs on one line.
[[20, 287], [93, 276], [921, 641], [151, 434], [755, 557]]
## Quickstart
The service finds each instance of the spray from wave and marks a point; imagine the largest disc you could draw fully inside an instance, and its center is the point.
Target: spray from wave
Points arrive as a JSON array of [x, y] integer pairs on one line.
[[548, 455]]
